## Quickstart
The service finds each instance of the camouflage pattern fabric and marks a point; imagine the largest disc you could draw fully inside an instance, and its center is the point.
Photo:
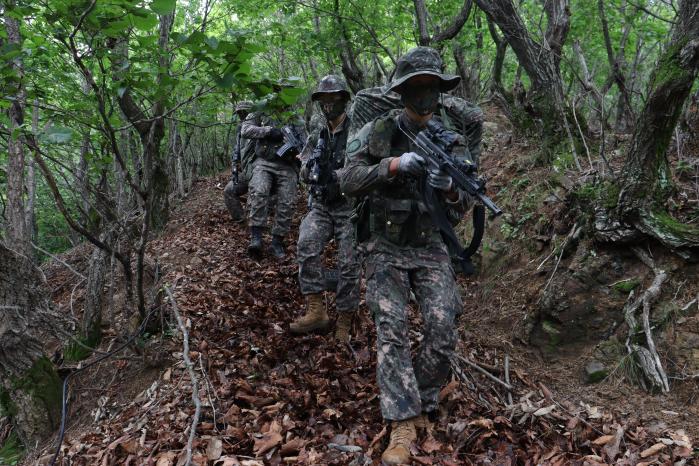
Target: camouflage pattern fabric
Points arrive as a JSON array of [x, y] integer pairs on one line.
[[259, 126], [233, 191], [320, 225], [328, 220], [404, 251], [409, 387], [461, 116], [270, 176], [231, 197]]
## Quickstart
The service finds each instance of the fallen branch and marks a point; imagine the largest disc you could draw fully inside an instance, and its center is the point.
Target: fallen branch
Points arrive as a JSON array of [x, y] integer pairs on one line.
[[192, 376], [507, 378], [473, 365], [60, 261]]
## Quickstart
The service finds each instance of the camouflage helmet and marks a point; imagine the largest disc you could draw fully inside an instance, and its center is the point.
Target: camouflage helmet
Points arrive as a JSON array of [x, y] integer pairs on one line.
[[243, 106], [420, 61], [331, 84]]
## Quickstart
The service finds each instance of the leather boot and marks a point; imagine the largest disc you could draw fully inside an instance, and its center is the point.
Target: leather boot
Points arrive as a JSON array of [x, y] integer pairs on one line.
[[316, 316], [277, 247], [343, 327], [255, 246], [423, 422], [402, 435]]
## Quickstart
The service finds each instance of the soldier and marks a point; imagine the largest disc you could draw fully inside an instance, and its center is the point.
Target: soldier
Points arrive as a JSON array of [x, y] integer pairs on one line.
[[329, 216], [241, 161], [271, 173], [404, 249]]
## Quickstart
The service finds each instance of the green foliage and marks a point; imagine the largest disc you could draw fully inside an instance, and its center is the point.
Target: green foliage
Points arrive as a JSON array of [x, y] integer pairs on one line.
[[11, 451], [626, 286]]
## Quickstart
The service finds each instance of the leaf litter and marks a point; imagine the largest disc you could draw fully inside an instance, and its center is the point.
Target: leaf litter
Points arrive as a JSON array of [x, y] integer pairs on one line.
[[270, 398]]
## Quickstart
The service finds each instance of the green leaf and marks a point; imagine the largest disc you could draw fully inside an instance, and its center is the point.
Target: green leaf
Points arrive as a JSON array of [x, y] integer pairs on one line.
[[59, 135], [144, 23], [163, 7]]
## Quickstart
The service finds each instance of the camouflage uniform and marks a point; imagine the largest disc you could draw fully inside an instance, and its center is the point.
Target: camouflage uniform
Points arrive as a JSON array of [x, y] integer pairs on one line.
[[457, 114], [329, 217], [270, 174], [404, 252], [243, 153]]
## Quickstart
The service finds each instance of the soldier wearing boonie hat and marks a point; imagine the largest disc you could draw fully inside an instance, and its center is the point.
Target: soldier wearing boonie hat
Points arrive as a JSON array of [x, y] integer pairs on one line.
[[404, 250]]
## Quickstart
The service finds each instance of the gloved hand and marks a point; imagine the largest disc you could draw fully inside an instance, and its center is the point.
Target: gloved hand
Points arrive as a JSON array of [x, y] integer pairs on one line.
[[276, 135], [439, 179], [411, 163]]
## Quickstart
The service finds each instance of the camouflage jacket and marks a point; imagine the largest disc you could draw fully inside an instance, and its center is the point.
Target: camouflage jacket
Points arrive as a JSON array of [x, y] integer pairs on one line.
[[247, 153], [259, 126], [461, 116], [398, 214]]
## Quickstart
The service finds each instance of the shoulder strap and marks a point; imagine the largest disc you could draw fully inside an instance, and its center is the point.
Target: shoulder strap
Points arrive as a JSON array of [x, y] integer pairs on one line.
[[439, 217]]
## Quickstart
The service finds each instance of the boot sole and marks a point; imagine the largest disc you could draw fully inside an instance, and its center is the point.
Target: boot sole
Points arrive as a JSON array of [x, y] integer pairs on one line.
[[319, 326]]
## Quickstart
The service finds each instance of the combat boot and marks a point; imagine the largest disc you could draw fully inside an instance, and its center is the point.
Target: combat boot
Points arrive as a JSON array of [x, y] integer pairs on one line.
[[255, 246], [316, 316], [402, 436], [343, 327], [277, 247], [423, 422]]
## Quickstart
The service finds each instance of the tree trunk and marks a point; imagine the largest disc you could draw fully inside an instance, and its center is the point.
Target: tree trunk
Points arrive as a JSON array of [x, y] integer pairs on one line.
[[646, 183], [30, 389], [30, 212], [91, 323], [544, 109], [17, 232]]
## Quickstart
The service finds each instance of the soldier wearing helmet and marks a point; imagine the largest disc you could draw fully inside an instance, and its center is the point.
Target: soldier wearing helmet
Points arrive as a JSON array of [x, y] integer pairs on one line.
[[328, 217], [241, 161], [404, 249]]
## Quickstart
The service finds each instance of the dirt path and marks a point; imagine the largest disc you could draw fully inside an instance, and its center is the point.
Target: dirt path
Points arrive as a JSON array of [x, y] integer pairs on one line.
[[270, 398]]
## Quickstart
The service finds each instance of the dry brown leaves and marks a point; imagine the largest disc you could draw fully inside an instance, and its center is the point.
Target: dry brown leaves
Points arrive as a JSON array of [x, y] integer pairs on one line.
[[270, 398]]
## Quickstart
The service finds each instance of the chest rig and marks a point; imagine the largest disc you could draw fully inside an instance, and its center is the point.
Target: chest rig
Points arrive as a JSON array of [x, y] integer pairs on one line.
[[396, 211]]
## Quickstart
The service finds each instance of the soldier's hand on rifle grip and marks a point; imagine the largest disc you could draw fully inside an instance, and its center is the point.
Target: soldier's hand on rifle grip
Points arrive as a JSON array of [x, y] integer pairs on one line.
[[439, 179], [276, 135], [411, 163]]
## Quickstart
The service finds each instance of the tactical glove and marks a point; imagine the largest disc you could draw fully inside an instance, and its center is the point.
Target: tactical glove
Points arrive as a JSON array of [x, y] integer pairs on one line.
[[411, 163], [439, 179], [276, 135]]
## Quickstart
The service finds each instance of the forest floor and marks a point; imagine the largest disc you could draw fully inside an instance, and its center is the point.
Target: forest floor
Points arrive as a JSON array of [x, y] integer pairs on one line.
[[272, 398]]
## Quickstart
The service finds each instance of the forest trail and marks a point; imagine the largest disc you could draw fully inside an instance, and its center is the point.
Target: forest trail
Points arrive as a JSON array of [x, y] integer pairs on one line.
[[272, 398]]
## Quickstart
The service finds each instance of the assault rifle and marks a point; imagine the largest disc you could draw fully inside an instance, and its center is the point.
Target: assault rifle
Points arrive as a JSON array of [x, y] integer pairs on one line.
[[292, 143], [434, 142], [315, 176]]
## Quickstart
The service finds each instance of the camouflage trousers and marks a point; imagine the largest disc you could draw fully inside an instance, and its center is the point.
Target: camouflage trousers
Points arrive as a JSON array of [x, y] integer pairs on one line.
[[409, 387], [231, 197], [267, 177], [320, 225]]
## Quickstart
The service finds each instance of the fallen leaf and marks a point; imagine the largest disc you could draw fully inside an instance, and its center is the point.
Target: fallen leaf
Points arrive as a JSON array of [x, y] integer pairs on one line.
[[544, 411], [431, 445], [214, 448], [603, 440], [652, 450]]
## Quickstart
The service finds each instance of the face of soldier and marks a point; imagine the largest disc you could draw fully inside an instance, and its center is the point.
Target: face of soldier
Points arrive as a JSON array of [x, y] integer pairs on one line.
[[332, 105], [421, 94]]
